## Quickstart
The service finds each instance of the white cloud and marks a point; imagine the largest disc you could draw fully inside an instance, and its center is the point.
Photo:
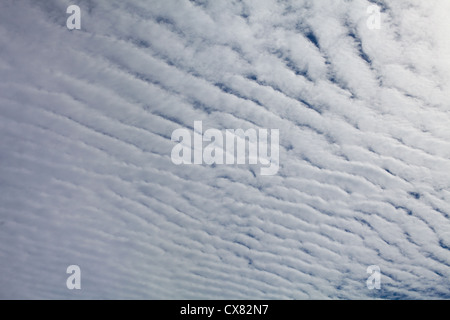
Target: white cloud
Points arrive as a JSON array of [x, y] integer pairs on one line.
[[86, 118]]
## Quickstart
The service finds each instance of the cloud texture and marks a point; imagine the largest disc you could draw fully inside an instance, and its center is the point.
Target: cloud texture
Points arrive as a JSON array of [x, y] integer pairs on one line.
[[86, 178]]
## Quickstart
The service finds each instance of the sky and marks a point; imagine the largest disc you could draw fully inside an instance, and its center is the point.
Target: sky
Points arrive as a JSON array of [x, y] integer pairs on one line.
[[87, 179]]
